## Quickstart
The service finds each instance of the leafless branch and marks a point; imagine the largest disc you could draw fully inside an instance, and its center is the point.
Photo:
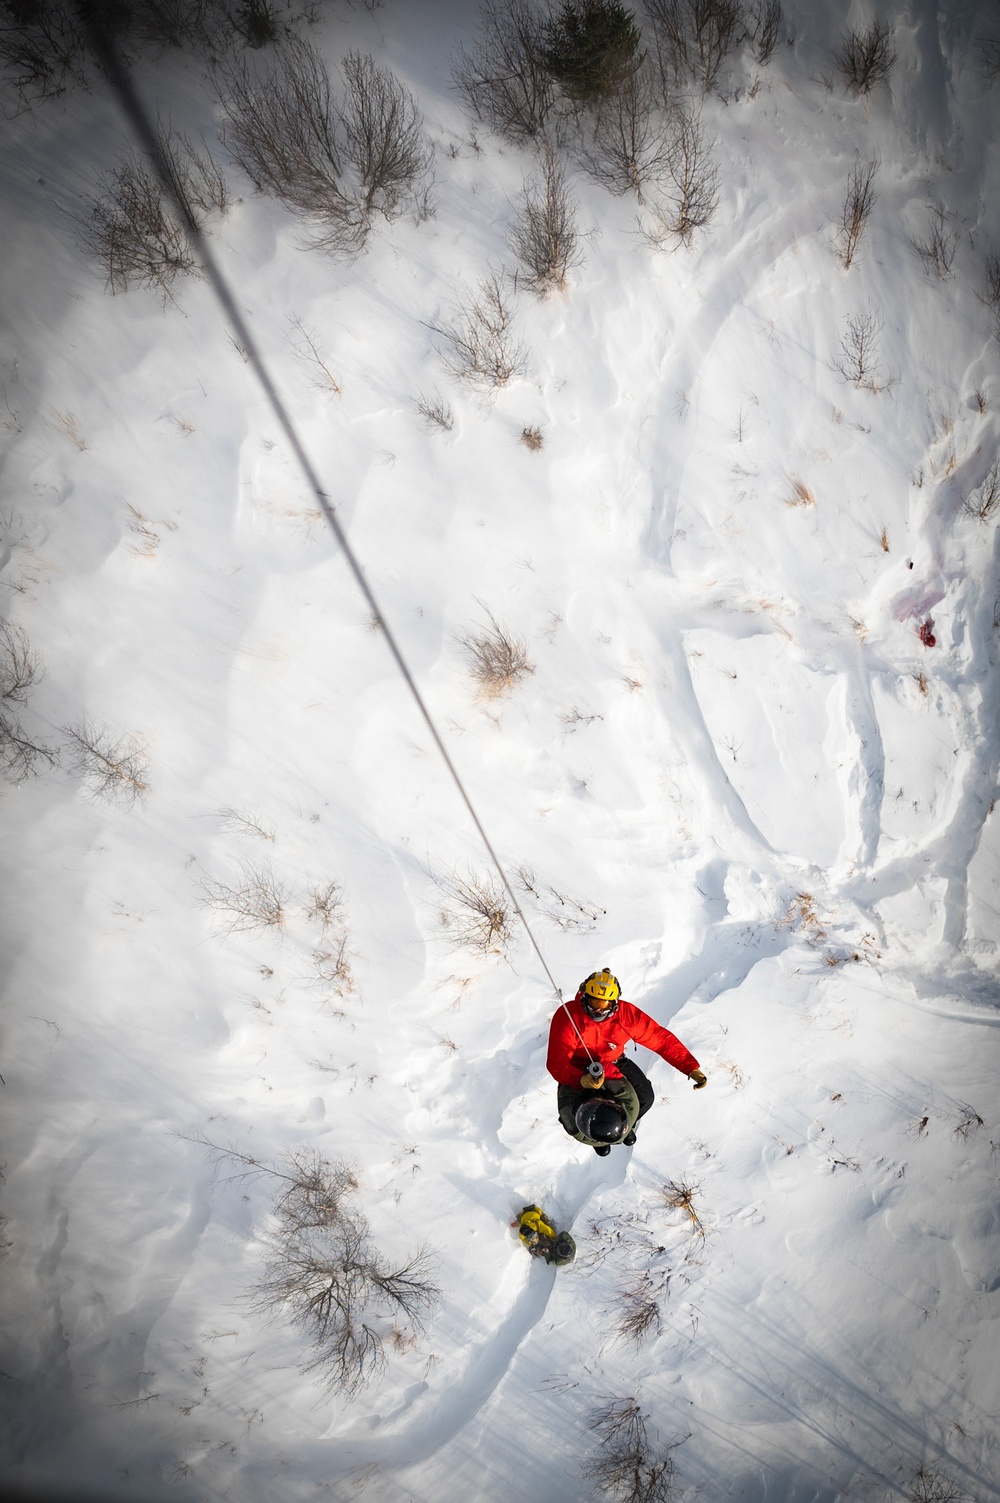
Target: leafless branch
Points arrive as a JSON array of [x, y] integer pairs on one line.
[[544, 236], [982, 503], [483, 347], [114, 765], [629, 147], [503, 79], [477, 912], [937, 247], [253, 900], [498, 658], [866, 56], [858, 204]]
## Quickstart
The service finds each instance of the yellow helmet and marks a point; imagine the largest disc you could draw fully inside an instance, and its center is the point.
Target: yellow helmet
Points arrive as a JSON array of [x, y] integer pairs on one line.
[[602, 986]]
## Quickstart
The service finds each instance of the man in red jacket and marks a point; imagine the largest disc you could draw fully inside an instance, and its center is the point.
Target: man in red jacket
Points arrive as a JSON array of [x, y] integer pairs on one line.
[[601, 1093]]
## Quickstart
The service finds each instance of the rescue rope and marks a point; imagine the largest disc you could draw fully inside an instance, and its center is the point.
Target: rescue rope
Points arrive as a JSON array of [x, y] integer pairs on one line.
[[143, 126]]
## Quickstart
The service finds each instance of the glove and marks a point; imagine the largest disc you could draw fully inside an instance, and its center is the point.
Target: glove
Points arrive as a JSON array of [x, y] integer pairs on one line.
[[699, 1078], [590, 1082]]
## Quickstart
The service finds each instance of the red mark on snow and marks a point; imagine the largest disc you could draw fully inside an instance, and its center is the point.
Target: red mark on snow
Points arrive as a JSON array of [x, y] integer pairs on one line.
[[926, 633]]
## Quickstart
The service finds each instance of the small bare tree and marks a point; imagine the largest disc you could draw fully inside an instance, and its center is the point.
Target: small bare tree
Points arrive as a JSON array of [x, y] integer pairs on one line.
[[629, 146], [691, 188], [858, 204], [544, 236], [763, 27], [639, 1309], [20, 668], [630, 1467], [282, 128], [42, 48], [570, 914], [937, 247], [991, 277], [503, 79], [866, 56], [253, 900], [383, 136], [113, 765], [322, 1267], [679, 1195], [929, 1485], [133, 226], [982, 503], [483, 347], [498, 658], [859, 352], [477, 912], [326, 905], [436, 412], [694, 37]]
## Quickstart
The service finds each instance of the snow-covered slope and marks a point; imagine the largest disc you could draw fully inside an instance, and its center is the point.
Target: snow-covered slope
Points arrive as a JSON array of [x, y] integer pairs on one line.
[[769, 801]]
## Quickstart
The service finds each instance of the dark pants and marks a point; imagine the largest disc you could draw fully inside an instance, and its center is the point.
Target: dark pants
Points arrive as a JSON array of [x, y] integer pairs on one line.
[[636, 1106], [639, 1082]]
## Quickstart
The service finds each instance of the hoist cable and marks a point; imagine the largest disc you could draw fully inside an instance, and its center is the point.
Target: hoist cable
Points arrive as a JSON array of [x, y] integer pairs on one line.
[[149, 138]]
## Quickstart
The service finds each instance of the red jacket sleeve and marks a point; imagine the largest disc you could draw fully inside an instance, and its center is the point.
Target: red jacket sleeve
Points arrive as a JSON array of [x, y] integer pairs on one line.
[[561, 1048], [641, 1027]]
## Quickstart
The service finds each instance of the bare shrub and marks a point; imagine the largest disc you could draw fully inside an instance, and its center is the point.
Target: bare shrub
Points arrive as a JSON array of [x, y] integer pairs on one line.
[[253, 901], [383, 136], [436, 413], [256, 21], [990, 56], [929, 1485], [591, 48], [983, 502], [639, 1310], [629, 146], [630, 1467], [503, 78], [531, 438], [113, 765], [307, 350], [326, 905], [483, 347], [20, 668], [244, 823], [866, 56], [859, 352], [133, 226], [498, 659], [545, 238], [570, 914], [282, 129], [763, 27], [679, 1195], [691, 188], [42, 47], [45, 45], [322, 1268], [332, 967], [477, 912], [859, 201], [134, 232], [969, 1122], [937, 247], [991, 287], [694, 37]]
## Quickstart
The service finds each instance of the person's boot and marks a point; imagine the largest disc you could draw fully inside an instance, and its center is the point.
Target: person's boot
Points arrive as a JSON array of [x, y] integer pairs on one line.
[[602, 1150]]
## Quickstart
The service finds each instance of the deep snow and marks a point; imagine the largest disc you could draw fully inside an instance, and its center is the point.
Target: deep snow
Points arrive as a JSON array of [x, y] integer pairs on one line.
[[734, 748]]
